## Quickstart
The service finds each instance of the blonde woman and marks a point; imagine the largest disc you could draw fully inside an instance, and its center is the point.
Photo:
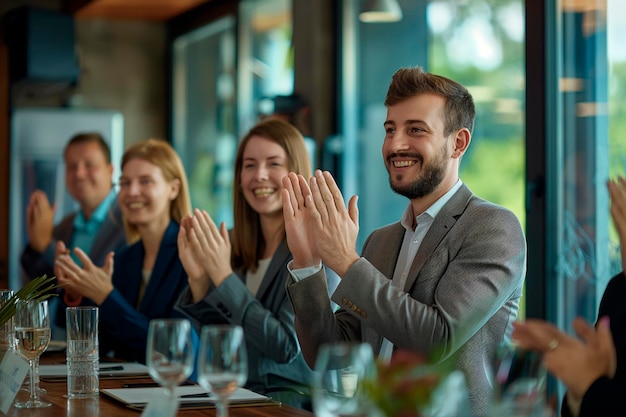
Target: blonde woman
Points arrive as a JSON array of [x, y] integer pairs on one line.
[[147, 276]]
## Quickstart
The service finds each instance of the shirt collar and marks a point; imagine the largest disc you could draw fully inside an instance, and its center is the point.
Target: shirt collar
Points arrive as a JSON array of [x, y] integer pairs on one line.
[[99, 215], [432, 211]]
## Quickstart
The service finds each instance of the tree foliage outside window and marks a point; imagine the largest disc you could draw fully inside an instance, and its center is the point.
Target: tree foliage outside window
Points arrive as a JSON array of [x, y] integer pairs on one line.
[[481, 44]]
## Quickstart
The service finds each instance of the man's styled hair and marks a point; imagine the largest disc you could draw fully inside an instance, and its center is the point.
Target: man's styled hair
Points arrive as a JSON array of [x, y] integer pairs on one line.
[[90, 137], [459, 109]]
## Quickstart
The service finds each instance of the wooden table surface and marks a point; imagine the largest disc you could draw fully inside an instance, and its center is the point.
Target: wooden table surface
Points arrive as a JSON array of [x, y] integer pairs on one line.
[[106, 407]]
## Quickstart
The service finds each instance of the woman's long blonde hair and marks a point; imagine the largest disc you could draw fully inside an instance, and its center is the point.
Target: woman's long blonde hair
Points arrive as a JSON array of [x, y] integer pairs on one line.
[[161, 154], [248, 243]]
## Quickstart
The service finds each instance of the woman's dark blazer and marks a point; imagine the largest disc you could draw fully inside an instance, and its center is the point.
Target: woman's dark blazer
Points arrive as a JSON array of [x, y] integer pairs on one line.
[[123, 324]]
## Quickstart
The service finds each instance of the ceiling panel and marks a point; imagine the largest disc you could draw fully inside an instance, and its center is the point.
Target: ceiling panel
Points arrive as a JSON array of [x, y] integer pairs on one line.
[[158, 10]]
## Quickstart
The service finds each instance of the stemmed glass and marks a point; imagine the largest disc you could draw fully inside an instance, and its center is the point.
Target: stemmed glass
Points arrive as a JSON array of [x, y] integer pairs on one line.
[[340, 370], [169, 353], [222, 362], [32, 330], [7, 330]]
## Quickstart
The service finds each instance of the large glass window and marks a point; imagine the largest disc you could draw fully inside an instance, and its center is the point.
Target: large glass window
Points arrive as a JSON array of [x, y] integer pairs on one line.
[[481, 45]]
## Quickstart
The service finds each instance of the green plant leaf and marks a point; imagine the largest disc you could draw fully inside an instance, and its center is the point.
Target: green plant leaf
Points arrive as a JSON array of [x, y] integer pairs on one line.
[[39, 288]]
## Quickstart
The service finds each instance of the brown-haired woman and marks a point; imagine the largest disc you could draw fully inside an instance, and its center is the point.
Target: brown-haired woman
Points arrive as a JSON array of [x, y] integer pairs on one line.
[[244, 284]]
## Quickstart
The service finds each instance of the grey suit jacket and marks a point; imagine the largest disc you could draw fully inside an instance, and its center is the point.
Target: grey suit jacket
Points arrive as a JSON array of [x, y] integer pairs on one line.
[[274, 357], [460, 298], [111, 236]]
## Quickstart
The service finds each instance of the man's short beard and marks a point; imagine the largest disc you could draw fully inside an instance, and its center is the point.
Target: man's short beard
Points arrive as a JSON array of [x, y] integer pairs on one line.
[[423, 186]]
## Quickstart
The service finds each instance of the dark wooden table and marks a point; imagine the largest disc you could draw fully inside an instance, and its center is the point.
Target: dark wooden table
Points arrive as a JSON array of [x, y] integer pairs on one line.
[[106, 407]]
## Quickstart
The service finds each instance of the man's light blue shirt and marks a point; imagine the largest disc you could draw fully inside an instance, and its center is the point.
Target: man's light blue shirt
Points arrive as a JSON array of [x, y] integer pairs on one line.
[[85, 231]]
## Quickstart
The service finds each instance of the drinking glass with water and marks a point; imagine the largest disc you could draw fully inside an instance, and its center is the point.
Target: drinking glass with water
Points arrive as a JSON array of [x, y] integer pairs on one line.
[[82, 352], [340, 370], [520, 383]]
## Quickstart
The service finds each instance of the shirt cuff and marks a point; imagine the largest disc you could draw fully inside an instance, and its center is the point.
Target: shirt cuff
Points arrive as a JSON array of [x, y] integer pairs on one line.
[[302, 273]]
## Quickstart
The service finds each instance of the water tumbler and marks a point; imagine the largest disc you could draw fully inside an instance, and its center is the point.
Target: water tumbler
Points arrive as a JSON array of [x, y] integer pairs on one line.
[[82, 352]]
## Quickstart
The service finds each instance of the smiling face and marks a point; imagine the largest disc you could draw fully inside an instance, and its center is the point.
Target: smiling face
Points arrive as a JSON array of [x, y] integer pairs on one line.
[[417, 155], [145, 196], [87, 175], [264, 166]]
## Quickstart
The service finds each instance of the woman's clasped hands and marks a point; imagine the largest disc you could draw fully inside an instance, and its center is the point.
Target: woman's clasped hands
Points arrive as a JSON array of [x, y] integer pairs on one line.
[[205, 252]]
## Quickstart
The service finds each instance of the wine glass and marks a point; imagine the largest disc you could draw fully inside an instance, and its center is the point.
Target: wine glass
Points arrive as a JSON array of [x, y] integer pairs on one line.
[[340, 370], [169, 353], [520, 383], [222, 363], [32, 331]]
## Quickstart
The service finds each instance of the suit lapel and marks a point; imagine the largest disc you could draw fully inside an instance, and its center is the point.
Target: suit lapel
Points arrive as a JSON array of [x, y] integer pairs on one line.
[[441, 226], [168, 252], [385, 257], [275, 269], [133, 264], [65, 233]]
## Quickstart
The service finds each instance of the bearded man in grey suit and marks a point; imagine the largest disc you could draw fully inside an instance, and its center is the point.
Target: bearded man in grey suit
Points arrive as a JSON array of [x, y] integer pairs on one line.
[[446, 279]]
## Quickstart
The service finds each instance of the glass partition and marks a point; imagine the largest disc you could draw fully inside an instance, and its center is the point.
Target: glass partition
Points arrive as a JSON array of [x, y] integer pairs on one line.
[[593, 117], [586, 149], [219, 76], [265, 57], [204, 124]]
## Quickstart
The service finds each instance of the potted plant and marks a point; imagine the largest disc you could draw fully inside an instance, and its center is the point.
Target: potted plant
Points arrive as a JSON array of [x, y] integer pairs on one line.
[[410, 386]]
